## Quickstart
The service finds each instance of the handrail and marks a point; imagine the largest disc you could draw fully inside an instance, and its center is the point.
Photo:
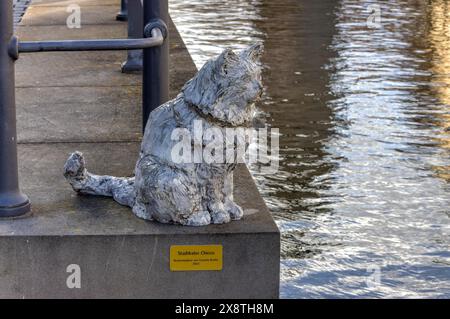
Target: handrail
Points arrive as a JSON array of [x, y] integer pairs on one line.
[[157, 39], [156, 31]]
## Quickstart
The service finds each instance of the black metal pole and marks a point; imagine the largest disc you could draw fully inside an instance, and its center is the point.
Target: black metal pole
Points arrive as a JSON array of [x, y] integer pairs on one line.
[[123, 13], [155, 89], [12, 201], [135, 31]]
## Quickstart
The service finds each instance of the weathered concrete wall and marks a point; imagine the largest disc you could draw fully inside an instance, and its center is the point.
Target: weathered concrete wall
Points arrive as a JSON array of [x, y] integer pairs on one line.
[[127, 266]]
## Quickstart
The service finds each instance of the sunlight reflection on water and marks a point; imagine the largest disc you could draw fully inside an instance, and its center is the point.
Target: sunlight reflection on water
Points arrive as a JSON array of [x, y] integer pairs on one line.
[[364, 120]]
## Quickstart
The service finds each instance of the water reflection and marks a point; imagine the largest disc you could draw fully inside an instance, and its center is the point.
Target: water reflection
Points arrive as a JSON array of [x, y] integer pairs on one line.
[[365, 148], [439, 54]]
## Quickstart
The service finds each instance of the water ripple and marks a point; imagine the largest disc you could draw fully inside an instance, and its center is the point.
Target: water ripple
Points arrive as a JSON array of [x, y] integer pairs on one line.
[[362, 195]]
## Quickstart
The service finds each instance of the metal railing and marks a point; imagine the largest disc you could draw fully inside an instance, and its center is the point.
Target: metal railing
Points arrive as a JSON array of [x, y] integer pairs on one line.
[[123, 13], [155, 90], [135, 31]]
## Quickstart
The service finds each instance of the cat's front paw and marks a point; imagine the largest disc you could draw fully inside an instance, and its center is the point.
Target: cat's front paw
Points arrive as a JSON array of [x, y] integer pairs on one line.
[[218, 213], [236, 212], [220, 217]]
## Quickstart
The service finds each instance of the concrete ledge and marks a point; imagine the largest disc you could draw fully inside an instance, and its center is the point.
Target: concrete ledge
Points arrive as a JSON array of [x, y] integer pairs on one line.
[[59, 211], [136, 267], [81, 101]]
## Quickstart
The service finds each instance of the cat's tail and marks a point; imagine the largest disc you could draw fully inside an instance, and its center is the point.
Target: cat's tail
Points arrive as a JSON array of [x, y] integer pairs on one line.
[[120, 188]]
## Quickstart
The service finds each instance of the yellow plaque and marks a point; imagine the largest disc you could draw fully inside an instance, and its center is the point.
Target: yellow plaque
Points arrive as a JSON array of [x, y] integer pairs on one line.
[[195, 258]]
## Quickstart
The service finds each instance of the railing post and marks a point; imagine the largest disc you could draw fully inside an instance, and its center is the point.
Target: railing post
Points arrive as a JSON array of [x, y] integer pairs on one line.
[[155, 90], [123, 13], [135, 31], [12, 201]]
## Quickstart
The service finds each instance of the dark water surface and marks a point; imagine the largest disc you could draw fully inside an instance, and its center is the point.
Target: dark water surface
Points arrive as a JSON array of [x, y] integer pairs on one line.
[[362, 196]]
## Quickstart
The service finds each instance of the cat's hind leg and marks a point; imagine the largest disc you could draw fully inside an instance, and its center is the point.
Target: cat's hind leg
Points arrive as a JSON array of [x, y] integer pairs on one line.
[[236, 212], [120, 188], [213, 200], [178, 197], [168, 194]]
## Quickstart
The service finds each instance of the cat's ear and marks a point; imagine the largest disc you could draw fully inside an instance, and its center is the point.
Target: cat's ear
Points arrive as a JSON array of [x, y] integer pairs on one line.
[[226, 60], [254, 52]]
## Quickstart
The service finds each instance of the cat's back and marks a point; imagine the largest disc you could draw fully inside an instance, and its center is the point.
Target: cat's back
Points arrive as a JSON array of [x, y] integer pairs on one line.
[[162, 128]]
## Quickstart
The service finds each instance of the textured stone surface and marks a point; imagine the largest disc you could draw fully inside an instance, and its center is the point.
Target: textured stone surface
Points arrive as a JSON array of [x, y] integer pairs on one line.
[[57, 15], [91, 99]]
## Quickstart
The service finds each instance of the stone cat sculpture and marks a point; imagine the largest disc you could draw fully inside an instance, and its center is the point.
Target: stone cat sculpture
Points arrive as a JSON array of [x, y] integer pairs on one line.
[[221, 95]]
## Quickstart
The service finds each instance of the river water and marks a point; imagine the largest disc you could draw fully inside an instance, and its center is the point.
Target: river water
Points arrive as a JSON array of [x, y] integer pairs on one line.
[[360, 91]]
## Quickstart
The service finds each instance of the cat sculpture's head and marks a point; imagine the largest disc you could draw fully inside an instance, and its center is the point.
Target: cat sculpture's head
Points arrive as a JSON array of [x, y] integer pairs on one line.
[[227, 87]]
